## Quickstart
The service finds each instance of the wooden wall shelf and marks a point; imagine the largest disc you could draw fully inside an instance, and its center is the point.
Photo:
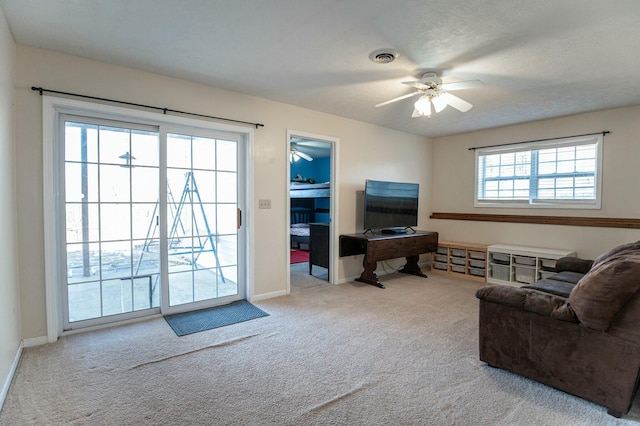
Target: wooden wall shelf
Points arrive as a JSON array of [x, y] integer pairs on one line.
[[600, 222]]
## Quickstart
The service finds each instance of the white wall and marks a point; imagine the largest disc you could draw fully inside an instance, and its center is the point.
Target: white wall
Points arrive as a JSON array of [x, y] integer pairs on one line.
[[9, 289], [453, 184], [365, 151]]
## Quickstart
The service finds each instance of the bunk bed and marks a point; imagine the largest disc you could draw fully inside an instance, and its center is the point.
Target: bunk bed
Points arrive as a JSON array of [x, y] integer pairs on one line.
[[304, 208]]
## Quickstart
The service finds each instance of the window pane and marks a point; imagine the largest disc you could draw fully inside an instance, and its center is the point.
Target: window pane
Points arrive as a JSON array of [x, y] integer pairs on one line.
[[227, 188], [115, 222], [227, 155], [493, 171], [204, 153], [588, 165], [206, 183], [566, 166], [144, 184], [81, 142], [144, 148], [507, 170], [114, 145], [178, 151], [77, 175], [546, 168], [114, 184]]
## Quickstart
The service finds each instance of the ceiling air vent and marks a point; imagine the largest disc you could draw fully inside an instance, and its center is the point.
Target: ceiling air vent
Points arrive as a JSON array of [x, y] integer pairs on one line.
[[383, 56]]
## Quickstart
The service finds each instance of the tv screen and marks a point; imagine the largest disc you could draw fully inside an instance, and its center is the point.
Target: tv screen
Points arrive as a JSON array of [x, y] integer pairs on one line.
[[390, 205]]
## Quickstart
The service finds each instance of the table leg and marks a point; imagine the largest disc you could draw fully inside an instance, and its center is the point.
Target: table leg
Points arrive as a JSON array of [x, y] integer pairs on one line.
[[412, 267], [369, 276]]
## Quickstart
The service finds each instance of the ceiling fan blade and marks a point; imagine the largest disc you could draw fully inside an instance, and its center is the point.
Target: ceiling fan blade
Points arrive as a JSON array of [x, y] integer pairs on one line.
[[461, 85], [417, 84], [399, 98], [304, 156], [440, 102], [457, 103]]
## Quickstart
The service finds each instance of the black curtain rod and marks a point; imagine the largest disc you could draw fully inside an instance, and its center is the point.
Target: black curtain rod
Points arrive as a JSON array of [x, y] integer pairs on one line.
[[604, 132], [164, 110]]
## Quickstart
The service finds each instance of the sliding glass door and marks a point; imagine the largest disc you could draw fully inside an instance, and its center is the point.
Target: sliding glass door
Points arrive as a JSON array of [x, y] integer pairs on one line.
[[151, 220], [202, 218]]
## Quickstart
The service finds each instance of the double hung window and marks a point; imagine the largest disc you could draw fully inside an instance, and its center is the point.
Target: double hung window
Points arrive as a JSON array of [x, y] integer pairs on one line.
[[563, 173]]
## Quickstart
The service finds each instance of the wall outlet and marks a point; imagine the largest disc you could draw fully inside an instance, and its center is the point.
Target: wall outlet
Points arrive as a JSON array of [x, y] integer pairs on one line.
[[264, 204]]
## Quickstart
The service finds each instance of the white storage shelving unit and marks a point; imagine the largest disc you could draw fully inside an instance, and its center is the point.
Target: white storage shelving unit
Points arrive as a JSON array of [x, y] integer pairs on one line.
[[519, 265]]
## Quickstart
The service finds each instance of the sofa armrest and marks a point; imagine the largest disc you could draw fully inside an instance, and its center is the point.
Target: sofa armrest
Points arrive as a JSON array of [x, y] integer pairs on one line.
[[529, 300], [573, 264]]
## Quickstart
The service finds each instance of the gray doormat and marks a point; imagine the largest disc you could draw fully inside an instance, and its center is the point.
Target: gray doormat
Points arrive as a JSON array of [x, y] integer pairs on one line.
[[218, 316]]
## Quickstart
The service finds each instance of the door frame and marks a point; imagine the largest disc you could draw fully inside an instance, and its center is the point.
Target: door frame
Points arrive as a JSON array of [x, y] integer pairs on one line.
[[52, 108], [333, 225]]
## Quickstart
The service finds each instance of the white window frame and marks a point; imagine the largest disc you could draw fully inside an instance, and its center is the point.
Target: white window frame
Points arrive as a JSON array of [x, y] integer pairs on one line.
[[596, 203]]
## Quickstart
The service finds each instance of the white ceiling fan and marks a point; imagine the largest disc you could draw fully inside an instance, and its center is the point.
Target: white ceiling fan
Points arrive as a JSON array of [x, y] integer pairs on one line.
[[435, 92], [295, 154]]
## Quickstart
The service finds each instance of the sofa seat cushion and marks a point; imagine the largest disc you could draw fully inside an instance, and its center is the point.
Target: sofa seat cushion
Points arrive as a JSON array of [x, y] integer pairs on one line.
[[601, 294], [568, 277], [552, 285]]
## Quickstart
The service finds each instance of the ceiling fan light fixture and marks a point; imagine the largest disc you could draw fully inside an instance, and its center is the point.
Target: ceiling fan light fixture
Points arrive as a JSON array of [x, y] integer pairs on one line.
[[433, 91], [423, 105], [439, 102]]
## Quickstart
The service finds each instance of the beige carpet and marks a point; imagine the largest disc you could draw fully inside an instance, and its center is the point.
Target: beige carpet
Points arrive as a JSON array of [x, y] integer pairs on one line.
[[350, 354], [301, 280]]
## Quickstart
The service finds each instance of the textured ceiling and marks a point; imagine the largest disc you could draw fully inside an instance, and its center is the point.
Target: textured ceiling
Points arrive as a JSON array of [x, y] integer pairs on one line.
[[537, 58]]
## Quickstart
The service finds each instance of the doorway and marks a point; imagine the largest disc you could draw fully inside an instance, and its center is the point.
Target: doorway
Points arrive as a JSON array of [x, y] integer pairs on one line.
[[312, 199]]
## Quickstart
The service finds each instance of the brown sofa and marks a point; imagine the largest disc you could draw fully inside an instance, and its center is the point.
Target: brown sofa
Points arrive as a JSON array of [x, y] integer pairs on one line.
[[578, 330]]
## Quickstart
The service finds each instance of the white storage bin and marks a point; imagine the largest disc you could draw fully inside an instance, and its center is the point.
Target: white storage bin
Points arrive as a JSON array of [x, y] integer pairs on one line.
[[440, 258], [476, 263], [442, 250], [524, 260], [458, 252], [458, 260], [477, 272], [456, 268], [525, 274], [548, 263], [503, 258], [480, 255], [440, 265], [500, 272]]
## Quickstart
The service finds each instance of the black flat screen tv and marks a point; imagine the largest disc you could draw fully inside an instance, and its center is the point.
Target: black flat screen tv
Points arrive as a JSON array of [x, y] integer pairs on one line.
[[390, 206]]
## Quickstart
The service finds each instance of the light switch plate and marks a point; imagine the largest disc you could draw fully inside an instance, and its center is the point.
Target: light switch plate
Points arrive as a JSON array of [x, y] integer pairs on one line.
[[264, 204]]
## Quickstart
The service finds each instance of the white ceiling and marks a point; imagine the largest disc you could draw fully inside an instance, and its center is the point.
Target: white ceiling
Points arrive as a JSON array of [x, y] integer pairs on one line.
[[537, 58]]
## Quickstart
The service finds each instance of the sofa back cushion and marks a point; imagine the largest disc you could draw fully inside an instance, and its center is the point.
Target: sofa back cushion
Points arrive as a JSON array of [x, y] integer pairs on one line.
[[611, 283], [630, 248]]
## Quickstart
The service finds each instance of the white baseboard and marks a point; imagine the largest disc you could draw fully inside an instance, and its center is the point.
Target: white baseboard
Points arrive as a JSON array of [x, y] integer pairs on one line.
[[35, 341], [259, 297], [12, 372]]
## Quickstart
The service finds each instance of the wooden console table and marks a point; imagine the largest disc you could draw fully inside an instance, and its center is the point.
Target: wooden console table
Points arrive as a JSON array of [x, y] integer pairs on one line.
[[377, 247]]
